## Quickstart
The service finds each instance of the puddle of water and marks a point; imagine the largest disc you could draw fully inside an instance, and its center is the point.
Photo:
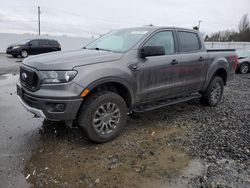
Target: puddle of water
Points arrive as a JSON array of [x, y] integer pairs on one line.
[[170, 159], [3, 77], [191, 173], [66, 158], [199, 173]]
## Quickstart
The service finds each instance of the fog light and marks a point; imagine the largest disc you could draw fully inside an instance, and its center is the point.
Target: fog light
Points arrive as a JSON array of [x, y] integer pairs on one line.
[[56, 107], [60, 107]]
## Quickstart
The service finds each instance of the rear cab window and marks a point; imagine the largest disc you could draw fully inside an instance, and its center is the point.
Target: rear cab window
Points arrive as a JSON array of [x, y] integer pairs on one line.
[[188, 41]]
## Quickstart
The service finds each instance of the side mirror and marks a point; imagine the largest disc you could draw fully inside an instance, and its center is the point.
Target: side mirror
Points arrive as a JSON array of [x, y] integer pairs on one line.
[[147, 51]]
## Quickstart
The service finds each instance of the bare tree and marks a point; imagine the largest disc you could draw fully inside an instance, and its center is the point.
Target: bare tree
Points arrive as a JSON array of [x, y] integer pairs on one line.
[[244, 29], [230, 35], [244, 24], [224, 36]]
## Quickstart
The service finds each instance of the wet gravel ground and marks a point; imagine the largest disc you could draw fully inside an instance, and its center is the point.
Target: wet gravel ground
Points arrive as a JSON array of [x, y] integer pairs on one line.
[[184, 145], [220, 136]]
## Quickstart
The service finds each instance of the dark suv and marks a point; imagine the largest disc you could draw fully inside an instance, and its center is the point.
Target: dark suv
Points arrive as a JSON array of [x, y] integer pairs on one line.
[[33, 47]]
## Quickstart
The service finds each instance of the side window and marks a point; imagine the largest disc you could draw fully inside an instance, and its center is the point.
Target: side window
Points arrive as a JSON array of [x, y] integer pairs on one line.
[[43, 42], [163, 38], [34, 43], [52, 43], [189, 42]]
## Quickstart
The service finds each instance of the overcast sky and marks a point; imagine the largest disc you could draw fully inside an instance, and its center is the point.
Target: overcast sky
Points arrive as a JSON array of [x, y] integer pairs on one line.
[[87, 17]]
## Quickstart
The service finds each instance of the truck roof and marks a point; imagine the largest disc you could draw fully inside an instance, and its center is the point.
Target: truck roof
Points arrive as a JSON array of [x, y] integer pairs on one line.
[[153, 28]]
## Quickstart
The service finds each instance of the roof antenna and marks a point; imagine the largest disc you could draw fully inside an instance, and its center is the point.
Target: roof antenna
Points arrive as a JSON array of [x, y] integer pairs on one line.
[[150, 25]]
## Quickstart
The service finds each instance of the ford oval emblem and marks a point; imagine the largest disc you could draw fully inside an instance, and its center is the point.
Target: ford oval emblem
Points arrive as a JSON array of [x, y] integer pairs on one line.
[[24, 76]]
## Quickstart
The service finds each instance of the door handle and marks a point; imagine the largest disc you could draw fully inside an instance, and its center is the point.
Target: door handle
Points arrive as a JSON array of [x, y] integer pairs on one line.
[[134, 67], [201, 59], [174, 62]]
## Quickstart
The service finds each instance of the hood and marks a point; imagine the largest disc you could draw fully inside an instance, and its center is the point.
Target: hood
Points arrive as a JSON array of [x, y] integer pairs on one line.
[[67, 60], [244, 59], [13, 45]]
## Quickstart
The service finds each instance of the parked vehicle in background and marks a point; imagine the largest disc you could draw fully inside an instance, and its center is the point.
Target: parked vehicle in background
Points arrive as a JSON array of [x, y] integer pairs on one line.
[[33, 47], [244, 61], [135, 69]]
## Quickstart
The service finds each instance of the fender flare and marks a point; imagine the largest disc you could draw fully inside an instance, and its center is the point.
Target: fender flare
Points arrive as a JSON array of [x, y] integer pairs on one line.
[[211, 76], [112, 79]]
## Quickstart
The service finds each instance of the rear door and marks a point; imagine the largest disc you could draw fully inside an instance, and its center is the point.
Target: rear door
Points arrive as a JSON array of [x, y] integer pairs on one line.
[[44, 46], [157, 77], [54, 46], [193, 61]]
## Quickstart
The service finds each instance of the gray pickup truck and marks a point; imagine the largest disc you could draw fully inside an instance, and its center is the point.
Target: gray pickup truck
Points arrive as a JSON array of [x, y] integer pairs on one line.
[[127, 70]]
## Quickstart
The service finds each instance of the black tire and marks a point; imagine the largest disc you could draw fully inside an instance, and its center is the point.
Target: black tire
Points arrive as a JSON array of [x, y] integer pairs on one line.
[[24, 53], [92, 108], [213, 94], [244, 68]]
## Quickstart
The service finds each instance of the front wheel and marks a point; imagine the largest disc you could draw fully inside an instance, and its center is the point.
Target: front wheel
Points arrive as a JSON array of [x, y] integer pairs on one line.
[[103, 116], [24, 53], [213, 94], [244, 68]]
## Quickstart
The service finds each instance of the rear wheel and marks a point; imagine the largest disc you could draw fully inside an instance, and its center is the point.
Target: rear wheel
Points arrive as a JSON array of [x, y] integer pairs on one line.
[[244, 68], [103, 116], [24, 53], [213, 94]]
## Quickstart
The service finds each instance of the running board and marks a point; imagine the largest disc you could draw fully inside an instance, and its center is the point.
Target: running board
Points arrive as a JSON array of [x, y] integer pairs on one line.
[[161, 104]]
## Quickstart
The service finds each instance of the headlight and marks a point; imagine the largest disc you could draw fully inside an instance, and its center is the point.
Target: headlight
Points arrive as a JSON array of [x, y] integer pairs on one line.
[[50, 77], [15, 47]]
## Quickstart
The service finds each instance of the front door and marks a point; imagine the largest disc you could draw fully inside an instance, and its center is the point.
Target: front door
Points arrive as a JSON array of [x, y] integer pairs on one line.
[[158, 77], [33, 47]]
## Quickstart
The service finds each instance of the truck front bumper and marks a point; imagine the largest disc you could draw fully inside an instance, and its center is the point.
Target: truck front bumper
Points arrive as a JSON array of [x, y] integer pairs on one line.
[[56, 109]]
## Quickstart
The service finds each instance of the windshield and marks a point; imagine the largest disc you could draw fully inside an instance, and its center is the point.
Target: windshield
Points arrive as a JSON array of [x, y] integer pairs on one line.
[[243, 53], [22, 42], [118, 41]]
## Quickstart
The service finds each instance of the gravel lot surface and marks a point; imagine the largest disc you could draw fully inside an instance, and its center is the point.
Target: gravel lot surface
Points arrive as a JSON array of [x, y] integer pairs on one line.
[[220, 137], [184, 145]]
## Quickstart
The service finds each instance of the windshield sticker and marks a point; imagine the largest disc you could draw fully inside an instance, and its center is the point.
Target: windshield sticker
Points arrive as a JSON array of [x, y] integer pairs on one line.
[[138, 32]]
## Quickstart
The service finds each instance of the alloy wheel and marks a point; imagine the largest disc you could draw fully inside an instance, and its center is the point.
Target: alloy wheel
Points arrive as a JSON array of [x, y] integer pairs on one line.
[[106, 118], [216, 91], [244, 68], [24, 53]]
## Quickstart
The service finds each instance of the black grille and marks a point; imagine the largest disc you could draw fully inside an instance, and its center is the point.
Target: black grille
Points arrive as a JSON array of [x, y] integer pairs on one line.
[[29, 78]]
